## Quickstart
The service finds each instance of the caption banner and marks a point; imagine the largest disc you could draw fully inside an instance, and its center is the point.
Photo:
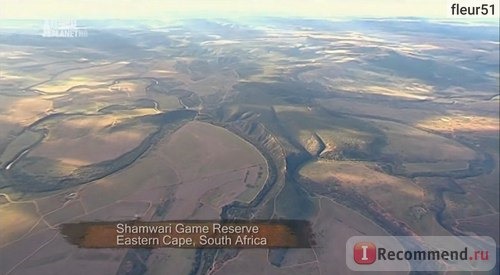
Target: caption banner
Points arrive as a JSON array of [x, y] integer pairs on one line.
[[190, 234]]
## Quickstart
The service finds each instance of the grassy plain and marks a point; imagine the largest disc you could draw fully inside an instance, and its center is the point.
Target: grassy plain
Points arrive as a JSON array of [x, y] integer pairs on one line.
[[413, 145], [398, 196]]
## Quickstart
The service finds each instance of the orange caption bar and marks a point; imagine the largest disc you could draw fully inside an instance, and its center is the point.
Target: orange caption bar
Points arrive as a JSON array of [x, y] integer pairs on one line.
[[190, 234]]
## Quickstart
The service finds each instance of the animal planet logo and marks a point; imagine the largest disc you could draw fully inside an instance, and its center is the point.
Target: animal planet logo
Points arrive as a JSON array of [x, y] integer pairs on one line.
[[365, 253], [63, 28]]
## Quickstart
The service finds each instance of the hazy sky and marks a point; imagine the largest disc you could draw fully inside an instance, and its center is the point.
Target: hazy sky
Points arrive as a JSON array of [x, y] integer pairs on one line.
[[164, 9]]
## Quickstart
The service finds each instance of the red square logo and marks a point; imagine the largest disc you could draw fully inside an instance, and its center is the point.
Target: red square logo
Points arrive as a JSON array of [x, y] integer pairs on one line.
[[365, 253]]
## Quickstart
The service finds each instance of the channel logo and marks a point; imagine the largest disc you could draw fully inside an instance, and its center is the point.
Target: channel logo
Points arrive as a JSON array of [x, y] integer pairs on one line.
[[365, 253]]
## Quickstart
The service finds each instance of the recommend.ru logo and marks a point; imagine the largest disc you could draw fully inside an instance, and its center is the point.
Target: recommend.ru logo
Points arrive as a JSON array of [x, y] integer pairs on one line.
[[420, 253]]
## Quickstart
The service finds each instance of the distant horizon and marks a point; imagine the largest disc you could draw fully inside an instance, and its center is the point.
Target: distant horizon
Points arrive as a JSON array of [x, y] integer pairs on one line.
[[246, 19]]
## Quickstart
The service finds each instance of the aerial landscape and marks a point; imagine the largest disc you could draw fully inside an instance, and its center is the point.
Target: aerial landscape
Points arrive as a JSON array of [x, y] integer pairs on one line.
[[361, 126]]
